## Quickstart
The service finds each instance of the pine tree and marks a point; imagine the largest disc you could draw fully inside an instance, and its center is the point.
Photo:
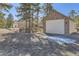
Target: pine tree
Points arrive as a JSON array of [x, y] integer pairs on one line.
[[24, 12], [9, 22], [47, 8], [4, 7], [2, 22]]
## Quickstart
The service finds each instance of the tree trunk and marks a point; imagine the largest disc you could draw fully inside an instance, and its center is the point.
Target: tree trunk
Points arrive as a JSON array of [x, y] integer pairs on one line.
[[32, 23], [37, 20], [29, 23], [26, 26]]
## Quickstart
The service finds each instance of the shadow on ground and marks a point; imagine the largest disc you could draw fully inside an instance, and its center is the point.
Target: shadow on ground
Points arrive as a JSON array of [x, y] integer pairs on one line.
[[21, 44]]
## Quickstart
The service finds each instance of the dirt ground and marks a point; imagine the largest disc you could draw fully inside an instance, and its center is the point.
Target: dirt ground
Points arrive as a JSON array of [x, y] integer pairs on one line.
[[20, 44], [4, 31]]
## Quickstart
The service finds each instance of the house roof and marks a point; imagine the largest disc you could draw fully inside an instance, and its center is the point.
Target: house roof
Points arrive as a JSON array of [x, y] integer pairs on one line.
[[56, 15]]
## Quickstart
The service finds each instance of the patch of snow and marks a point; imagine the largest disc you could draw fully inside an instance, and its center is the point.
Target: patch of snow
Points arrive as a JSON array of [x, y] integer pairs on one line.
[[14, 40], [1, 40], [61, 40]]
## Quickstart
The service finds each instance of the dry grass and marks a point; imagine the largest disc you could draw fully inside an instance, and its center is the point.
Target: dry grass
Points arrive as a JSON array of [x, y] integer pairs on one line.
[[4, 31]]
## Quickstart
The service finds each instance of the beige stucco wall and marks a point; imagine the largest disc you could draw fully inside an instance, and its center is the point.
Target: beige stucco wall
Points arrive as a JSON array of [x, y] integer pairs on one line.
[[55, 26], [72, 27]]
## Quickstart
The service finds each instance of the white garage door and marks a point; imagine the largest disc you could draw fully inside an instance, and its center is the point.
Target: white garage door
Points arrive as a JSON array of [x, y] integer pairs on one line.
[[55, 26]]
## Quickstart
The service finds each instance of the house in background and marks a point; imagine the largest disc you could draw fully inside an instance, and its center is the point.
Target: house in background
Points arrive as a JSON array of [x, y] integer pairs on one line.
[[58, 23], [15, 27], [19, 26], [15, 24]]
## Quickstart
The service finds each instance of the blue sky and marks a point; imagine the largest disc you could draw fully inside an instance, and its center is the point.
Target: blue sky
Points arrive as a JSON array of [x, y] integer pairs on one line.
[[64, 8]]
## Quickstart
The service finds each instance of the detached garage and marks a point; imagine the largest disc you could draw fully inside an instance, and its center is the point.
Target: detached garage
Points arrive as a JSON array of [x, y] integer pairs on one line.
[[58, 23]]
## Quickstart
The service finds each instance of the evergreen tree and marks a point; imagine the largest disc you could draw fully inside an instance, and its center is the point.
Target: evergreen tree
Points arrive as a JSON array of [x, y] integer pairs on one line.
[[9, 22], [2, 21], [25, 13], [72, 14], [4, 7]]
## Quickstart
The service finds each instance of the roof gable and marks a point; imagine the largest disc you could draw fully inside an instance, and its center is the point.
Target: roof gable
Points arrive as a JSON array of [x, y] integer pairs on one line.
[[56, 15]]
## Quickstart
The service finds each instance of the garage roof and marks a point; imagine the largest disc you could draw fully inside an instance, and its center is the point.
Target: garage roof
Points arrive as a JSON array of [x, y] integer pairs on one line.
[[53, 15]]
